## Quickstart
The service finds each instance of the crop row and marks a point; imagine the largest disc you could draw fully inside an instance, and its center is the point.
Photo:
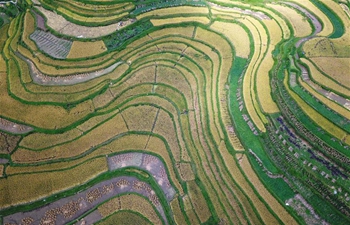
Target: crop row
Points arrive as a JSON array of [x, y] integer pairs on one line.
[[187, 90]]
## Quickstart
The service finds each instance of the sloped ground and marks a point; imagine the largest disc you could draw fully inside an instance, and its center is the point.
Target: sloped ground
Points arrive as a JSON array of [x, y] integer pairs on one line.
[[193, 112]]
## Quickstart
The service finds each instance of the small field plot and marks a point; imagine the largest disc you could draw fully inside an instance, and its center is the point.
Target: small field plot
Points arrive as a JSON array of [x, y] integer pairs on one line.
[[85, 49], [50, 44], [65, 27], [336, 68], [298, 21]]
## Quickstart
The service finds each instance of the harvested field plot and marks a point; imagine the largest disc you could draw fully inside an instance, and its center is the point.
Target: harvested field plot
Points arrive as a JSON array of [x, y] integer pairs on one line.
[[51, 45], [174, 112], [62, 26]]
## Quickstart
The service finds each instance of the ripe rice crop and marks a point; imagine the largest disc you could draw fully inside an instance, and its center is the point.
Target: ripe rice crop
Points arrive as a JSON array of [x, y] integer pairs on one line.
[[279, 20], [187, 203], [143, 74], [45, 116], [263, 85], [141, 205], [171, 44], [24, 71], [175, 20], [212, 73], [97, 7], [172, 94], [140, 118], [103, 99], [178, 214], [104, 132], [129, 142], [56, 70], [241, 181], [42, 140], [173, 77], [28, 29], [237, 36], [50, 167], [106, 59], [157, 146], [2, 65], [299, 23], [125, 217], [315, 116], [39, 141], [176, 95], [3, 34], [203, 168], [169, 107], [29, 25], [260, 36], [326, 23], [131, 202], [96, 10], [325, 47], [164, 126], [174, 11], [21, 189], [2, 170], [81, 49], [91, 20], [174, 31], [224, 15], [329, 103], [192, 216], [270, 200], [155, 57], [249, 77], [199, 204], [335, 67], [186, 172]]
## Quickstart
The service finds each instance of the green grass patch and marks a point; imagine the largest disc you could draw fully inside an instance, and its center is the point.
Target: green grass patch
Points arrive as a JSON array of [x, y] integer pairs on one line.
[[249, 140], [117, 39], [278, 187], [332, 16]]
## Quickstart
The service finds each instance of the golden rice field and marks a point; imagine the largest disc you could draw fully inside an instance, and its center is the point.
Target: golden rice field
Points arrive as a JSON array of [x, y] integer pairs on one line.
[[327, 27], [134, 203], [299, 23], [315, 116], [331, 104], [126, 217], [85, 49], [174, 112], [23, 188], [160, 22], [336, 68]]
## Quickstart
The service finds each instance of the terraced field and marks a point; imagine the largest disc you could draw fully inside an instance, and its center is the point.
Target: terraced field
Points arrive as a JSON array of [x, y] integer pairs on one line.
[[174, 112]]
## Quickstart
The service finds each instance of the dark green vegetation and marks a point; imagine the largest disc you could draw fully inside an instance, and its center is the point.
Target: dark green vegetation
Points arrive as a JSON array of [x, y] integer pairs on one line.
[[10, 10], [127, 35]]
